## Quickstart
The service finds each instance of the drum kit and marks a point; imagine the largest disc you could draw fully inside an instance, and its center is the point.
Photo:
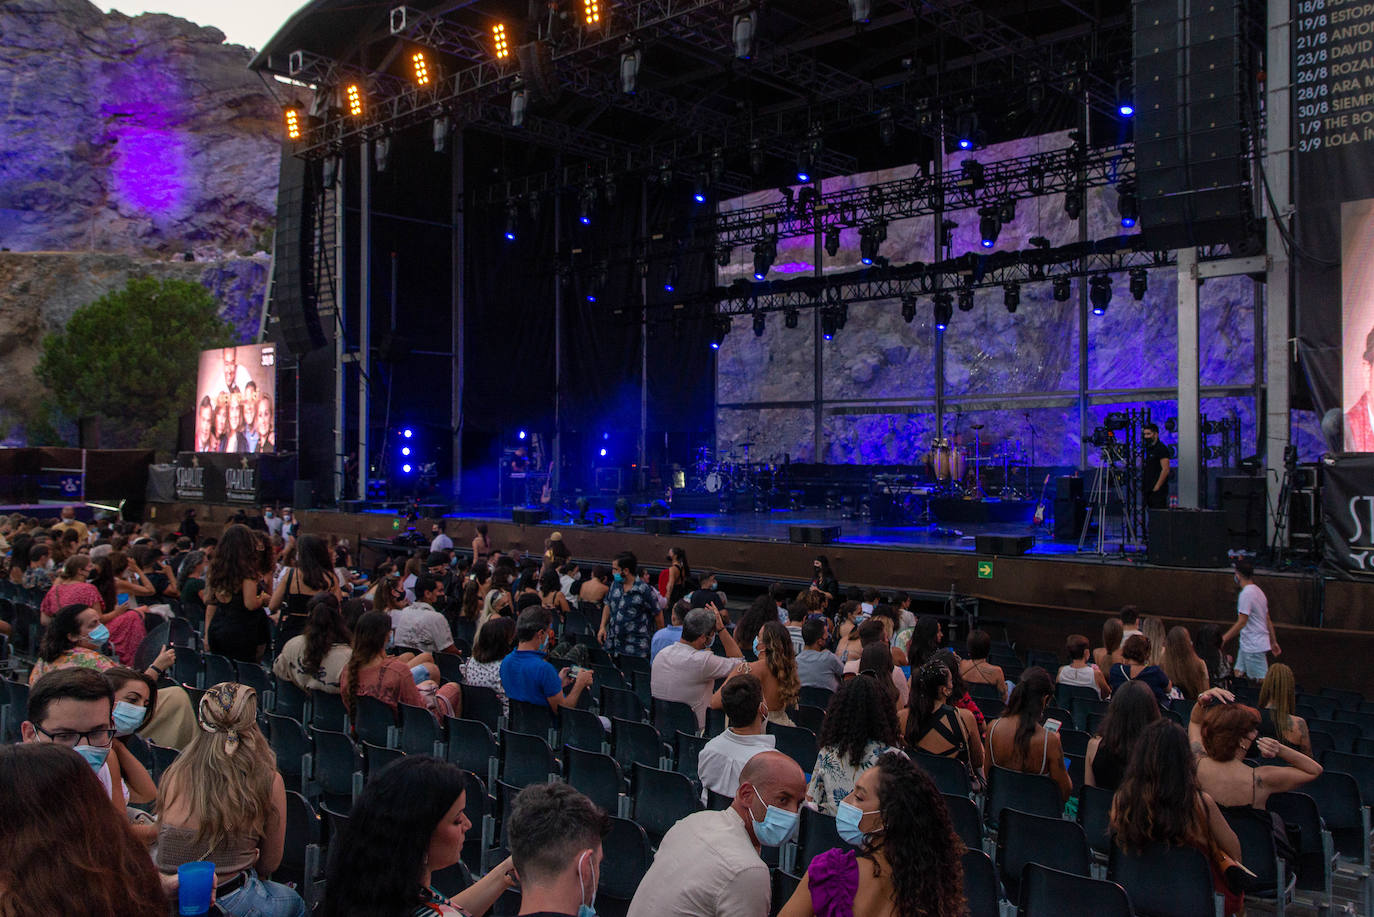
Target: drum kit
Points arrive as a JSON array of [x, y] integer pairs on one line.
[[735, 474], [978, 471]]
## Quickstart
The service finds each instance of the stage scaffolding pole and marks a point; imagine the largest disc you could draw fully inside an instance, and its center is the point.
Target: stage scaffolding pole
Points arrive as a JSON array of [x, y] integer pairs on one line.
[[364, 307], [641, 445], [458, 311], [340, 338], [1278, 160], [556, 474], [1189, 398], [817, 386]]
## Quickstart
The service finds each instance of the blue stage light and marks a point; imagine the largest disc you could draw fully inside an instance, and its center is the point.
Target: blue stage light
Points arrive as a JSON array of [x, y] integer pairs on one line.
[[965, 143], [585, 220], [406, 467], [804, 177], [699, 197], [715, 345], [1128, 222], [603, 453], [510, 236], [1126, 109], [605, 435], [407, 433], [521, 434], [405, 450]]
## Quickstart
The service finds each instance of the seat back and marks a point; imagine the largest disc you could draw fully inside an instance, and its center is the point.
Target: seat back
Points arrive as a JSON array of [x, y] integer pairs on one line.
[[963, 814], [482, 704], [1047, 892], [1338, 800], [633, 742], [813, 696], [374, 721], [336, 762], [1094, 813], [525, 759], [450, 666], [219, 669], [531, 719], [672, 717], [1023, 838], [291, 745], [420, 732], [1255, 831], [302, 832], [797, 743], [661, 799], [188, 668], [980, 884], [784, 886], [1163, 881], [1074, 741], [288, 700], [255, 677], [949, 774], [619, 703], [376, 758], [1034, 794], [471, 745], [1343, 735], [582, 729], [626, 856], [595, 775], [327, 711], [815, 835], [1299, 812], [1361, 767], [687, 748]]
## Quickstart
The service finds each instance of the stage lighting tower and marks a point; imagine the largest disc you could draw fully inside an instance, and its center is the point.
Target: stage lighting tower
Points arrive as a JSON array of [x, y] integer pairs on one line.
[[1139, 283], [1100, 293], [940, 304], [988, 226]]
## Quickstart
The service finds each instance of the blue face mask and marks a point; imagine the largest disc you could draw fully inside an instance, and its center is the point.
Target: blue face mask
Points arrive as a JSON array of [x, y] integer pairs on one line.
[[95, 757], [544, 646], [586, 910], [618, 577], [777, 827], [128, 717], [756, 647], [100, 636], [847, 818]]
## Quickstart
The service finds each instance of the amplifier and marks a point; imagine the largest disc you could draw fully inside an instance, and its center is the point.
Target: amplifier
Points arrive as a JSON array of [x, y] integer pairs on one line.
[[1187, 538], [529, 515], [813, 534], [1007, 545], [672, 525]]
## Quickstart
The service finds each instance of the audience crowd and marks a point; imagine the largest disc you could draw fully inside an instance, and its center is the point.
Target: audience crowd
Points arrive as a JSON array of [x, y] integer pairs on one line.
[[156, 769]]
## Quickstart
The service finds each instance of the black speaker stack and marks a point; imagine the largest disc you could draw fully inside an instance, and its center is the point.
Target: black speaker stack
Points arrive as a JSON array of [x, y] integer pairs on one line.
[[1241, 501], [1187, 537], [813, 534], [293, 289], [1070, 509], [1191, 142]]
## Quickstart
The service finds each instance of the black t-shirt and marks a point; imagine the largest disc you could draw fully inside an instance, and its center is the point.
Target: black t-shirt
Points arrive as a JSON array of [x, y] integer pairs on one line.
[[1150, 469]]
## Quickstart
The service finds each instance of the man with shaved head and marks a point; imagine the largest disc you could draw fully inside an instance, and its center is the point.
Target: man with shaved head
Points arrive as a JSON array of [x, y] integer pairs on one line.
[[709, 865]]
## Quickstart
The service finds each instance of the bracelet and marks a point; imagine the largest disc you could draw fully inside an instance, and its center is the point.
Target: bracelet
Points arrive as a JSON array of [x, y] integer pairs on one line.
[[160, 672]]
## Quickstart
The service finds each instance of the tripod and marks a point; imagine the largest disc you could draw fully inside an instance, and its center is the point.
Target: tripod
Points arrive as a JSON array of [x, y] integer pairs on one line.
[[1282, 509], [1109, 480]]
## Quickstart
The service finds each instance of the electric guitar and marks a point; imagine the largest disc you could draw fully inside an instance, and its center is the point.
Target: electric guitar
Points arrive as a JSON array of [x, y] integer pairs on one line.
[[546, 496], [1040, 510]]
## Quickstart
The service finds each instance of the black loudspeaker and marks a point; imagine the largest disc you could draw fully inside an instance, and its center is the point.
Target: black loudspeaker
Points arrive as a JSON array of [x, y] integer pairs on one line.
[[1187, 538], [1006, 545], [1069, 488], [1068, 519], [529, 515], [1190, 139], [1242, 501], [302, 495], [668, 526], [813, 534], [293, 288], [538, 71]]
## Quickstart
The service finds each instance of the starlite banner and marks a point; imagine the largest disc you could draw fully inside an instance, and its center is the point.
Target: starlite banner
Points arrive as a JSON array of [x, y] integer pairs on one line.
[[244, 478], [1348, 508]]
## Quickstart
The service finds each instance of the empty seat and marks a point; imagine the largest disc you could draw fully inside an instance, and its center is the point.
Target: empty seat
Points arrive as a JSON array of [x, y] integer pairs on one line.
[[968, 824], [287, 699], [618, 703], [525, 759], [812, 718], [1316, 851], [686, 749], [327, 711], [301, 862], [377, 757], [1164, 881], [815, 834], [472, 747], [374, 721], [1338, 799], [531, 719], [980, 884], [950, 775], [219, 669], [1094, 813], [338, 767], [291, 745], [482, 704], [797, 743], [672, 717], [1049, 841], [633, 742], [661, 799], [595, 775], [1035, 794], [257, 678], [784, 886], [421, 734], [582, 729], [1047, 892], [625, 858]]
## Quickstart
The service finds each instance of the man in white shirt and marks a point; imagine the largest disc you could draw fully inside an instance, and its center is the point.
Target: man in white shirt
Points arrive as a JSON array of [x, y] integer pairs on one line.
[[1130, 621], [440, 540], [418, 625], [1254, 625], [686, 671], [271, 520], [721, 760], [709, 865]]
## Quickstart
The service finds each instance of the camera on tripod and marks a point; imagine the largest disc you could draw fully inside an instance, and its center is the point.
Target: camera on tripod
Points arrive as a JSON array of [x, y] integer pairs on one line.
[[1104, 439]]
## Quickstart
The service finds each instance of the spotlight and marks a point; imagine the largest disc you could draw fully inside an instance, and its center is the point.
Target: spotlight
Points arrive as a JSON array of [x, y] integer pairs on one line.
[[408, 433], [500, 46], [1061, 289], [887, 127], [405, 450], [596, 284], [859, 10], [765, 253], [591, 13], [1073, 203], [870, 238], [829, 323], [1125, 101], [421, 67], [670, 281], [790, 318], [966, 130], [1127, 205], [521, 434], [512, 218], [1006, 212], [988, 226], [605, 435], [519, 99], [832, 240], [440, 131], [908, 307], [1100, 293], [756, 157], [603, 453], [804, 166], [294, 118], [742, 33], [354, 96], [381, 153], [943, 312], [971, 174], [586, 203], [630, 59], [759, 324], [723, 255], [406, 467], [699, 188], [1011, 296], [1139, 283], [720, 327], [965, 299]]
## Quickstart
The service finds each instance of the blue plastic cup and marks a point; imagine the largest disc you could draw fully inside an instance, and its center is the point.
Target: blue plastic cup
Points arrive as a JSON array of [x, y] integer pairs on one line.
[[195, 887]]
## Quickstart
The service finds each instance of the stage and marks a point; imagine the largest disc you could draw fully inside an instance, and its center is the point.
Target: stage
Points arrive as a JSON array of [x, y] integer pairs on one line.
[[1324, 625]]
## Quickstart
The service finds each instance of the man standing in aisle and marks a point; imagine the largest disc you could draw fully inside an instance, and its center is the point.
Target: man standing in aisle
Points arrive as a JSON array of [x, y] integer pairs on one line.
[[1154, 477], [1254, 625]]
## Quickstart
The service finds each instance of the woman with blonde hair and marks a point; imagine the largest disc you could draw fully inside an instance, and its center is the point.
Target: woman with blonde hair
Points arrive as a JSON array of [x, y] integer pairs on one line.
[[1153, 629], [1277, 699], [223, 801], [776, 670], [1182, 664]]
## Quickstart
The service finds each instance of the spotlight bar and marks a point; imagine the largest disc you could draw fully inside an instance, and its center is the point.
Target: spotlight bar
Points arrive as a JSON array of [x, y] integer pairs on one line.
[[353, 96], [421, 66], [500, 46]]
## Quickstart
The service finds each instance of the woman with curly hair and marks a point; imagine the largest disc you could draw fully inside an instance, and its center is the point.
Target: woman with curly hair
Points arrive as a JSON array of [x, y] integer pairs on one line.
[[314, 660], [848, 629], [908, 861], [235, 622], [408, 823], [1018, 741], [64, 849], [1161, 802], [222, 800], [776, 670], [860, 726]]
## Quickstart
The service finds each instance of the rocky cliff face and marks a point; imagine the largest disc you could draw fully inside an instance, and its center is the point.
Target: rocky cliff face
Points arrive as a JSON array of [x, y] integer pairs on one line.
[[125, 143]]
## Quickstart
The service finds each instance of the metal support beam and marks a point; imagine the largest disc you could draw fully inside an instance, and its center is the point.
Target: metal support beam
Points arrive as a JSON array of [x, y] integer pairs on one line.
[[364, 309], [340, 334], [1278, 170], [456, 331], [1189, 398]]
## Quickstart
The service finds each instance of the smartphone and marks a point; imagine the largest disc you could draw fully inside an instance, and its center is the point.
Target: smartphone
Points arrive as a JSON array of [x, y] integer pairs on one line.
[[1052, 725], [575, 670]]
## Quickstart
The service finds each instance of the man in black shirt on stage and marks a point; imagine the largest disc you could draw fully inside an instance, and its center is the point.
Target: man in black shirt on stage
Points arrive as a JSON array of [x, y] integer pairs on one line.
[[1154, 476]]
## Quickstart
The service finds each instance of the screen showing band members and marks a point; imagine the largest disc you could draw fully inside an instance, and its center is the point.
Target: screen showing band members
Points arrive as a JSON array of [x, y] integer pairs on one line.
[[236, 393], [1357, 311]]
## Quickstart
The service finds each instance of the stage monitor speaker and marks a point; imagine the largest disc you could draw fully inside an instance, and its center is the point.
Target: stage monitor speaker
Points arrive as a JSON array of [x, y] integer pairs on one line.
[[672, 525], [302, 495], [813, 534], [1068, 488], [1005, 545], [529, 515], [293, 302], [1187, 538], [1068, 519]]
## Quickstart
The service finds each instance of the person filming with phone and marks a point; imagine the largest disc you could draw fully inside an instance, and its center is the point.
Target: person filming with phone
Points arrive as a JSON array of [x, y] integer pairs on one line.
[[528, 676]]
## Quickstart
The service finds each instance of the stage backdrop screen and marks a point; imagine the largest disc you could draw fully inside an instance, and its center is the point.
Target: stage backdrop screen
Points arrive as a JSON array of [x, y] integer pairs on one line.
[[236, 391], [1357, 308]]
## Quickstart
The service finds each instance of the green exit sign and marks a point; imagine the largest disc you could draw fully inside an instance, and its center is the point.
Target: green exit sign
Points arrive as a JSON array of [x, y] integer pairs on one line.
[[985, 569]]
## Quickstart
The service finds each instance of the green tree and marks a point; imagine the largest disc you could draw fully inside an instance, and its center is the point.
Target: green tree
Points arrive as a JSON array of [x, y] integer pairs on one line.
[[131, 359]]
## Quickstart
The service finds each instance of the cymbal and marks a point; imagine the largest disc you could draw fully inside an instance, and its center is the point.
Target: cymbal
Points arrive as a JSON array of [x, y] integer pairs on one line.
[[976, 426], [743, 445]]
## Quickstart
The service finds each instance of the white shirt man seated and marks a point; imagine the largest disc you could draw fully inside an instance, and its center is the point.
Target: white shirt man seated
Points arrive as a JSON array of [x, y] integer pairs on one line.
[[723, 758], [709, 865], [418, 625], [686, 671]]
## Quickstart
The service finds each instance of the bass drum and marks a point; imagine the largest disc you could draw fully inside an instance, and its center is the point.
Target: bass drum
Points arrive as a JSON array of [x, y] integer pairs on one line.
[[715, 482]]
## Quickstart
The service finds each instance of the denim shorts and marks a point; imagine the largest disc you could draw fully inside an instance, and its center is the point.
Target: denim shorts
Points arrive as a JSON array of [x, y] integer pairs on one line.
[[260, 898], [1252, 665]]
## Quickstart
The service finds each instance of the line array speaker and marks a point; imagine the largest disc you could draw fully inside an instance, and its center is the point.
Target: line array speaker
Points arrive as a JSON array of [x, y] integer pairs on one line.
[[293, 289]]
